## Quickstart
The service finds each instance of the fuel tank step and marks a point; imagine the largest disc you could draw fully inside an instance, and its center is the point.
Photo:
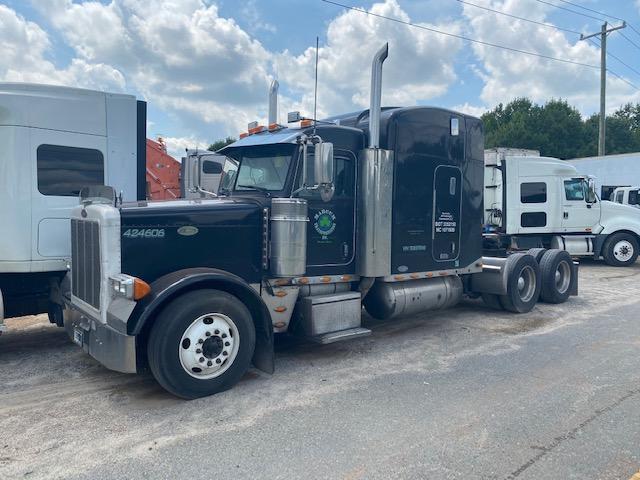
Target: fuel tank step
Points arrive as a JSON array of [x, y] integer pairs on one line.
[[341, 335]]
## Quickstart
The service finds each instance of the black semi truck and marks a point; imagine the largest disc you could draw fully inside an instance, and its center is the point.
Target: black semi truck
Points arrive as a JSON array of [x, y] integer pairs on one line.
[[381, 208]]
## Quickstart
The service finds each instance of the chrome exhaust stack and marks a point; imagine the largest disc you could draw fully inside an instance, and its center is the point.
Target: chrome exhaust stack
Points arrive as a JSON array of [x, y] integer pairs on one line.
[[273, 102], [376, 96], [376, 188]]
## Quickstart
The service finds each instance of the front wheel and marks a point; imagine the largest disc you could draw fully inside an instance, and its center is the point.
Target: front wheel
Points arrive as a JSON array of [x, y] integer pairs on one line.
[[620, 250], [201, 343]]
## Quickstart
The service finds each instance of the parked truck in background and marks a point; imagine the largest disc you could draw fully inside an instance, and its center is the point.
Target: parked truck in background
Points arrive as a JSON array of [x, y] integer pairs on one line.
[[204, 173], [610, 171], [541, 202], [56, 140], [380, 208], [626, 196]]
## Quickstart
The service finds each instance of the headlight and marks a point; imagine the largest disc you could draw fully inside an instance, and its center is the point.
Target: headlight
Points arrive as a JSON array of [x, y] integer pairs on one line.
[[129, 287]]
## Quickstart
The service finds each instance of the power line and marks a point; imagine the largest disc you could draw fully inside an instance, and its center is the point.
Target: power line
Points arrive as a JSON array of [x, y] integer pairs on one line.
[[572, 11], [520, 18], [602, 14], [609, 54], [461, 37], [591, 10], [629, 40]]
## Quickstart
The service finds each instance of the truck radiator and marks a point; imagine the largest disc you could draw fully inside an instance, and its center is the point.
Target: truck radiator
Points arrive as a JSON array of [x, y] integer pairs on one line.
[[85, 258]]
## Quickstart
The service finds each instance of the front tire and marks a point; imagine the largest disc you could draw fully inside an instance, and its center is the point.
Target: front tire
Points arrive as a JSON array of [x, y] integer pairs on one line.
[[620, 250], [201, 344]]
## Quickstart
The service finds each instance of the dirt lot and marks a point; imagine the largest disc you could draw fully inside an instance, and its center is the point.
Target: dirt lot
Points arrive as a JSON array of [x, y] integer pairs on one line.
[[439, 395]]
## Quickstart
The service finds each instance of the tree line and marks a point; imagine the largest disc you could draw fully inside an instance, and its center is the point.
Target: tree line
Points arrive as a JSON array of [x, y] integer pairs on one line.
[[556, 129]]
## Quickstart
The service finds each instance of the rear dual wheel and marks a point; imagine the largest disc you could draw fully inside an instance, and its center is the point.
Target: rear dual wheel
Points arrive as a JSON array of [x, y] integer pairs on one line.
[[523, 285], [556, 268]]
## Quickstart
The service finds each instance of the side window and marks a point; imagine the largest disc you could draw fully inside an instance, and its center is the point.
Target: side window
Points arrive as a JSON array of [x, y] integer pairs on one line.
[[533, 219], [209, 166], [619, 196], [63, 171], [533, 192], [633, 197], [574, 189]]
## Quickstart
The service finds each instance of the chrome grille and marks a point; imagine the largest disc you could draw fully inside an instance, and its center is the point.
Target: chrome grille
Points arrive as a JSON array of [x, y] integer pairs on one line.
[[85, 258]]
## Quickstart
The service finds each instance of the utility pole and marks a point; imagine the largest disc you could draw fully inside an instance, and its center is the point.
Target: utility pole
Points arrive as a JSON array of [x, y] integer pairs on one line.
[[603, 79]]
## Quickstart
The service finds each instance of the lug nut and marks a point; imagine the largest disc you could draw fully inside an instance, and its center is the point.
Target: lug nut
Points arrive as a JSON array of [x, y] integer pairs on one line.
[[201, 359], [201, 341], [209, 363], [218, 360], [224, 335], [208, 334], [226, 344], [217, 332], [225, 353], [198, 350]]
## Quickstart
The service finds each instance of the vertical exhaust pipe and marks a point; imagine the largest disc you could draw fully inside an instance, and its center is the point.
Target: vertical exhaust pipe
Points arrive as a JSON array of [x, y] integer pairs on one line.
[[273, 102], [376, 96]]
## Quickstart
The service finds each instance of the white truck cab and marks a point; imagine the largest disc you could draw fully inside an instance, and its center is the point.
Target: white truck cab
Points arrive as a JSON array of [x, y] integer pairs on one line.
[[627, 196], [533, 201], [204, 173], [54, 141]]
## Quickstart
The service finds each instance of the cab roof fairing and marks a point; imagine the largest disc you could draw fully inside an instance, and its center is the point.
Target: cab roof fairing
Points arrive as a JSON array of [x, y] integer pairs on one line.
[[285, 135]]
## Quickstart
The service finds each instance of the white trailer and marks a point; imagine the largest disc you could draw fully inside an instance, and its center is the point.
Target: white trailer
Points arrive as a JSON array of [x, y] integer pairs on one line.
[[55, 141], [203, 173], [610, 171], [543, 202]]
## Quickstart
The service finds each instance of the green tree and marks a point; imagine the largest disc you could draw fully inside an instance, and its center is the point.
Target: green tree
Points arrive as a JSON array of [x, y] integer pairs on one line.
[[218, 144]]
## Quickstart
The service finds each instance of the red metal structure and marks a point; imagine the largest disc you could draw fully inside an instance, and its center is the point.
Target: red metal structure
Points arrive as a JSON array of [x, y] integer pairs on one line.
[[163, 172]]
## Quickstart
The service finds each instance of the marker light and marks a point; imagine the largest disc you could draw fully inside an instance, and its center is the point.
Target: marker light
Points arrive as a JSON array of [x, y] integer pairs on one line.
[[256, 129], [129, 287], [306, 123]]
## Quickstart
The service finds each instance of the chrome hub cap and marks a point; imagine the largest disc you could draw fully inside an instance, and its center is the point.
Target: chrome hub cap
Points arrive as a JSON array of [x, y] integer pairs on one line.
[[563, 277], [209, 346], [623, 251], [527, 284]]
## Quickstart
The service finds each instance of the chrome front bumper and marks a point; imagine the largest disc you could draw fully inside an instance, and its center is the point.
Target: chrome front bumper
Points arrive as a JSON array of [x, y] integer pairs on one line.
[[114, 349]]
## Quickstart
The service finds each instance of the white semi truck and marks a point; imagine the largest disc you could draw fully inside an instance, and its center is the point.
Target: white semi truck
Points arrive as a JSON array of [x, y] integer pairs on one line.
[[627, 196], [542, 202], [54, 141]]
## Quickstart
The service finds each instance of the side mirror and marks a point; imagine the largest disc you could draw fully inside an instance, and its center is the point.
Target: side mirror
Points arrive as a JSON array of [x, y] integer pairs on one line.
[[323, 163], [591, 191], [323, 170]]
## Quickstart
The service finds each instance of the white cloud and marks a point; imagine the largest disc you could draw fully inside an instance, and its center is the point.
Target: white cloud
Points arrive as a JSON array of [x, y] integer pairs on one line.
[[473, 110], [176, 146], [419, 66], [25, 47], [507, 75]]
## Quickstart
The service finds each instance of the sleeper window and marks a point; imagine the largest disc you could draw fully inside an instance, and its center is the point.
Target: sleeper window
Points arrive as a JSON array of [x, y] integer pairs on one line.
[[63, 171], [533, 192]]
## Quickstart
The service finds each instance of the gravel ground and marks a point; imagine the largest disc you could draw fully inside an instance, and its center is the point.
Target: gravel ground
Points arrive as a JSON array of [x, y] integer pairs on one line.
[[467, 392]]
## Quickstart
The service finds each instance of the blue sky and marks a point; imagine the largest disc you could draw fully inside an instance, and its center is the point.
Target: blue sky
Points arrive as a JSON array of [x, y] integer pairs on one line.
[[204, 66]]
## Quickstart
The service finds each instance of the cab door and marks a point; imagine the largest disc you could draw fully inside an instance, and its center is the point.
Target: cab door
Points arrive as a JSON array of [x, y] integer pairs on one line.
[[331, 226], [577, 214]]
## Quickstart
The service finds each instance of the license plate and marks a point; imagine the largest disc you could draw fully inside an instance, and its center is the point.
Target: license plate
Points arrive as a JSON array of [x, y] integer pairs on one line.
[[78, 335]]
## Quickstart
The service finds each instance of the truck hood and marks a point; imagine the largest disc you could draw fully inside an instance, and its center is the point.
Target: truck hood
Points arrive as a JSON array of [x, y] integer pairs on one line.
[[616, 216]]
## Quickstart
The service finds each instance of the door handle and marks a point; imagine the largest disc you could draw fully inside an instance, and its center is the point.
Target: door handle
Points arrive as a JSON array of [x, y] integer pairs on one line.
[[565, 215]]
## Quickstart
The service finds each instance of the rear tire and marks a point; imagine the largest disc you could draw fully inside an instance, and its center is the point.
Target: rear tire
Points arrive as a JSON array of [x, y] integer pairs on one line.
[[537, 253], [620, 250], [523, 283], [201, 343], [556, 270]]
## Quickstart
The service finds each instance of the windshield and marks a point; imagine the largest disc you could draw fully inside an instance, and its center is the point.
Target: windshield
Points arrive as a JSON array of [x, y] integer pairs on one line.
[[264, 167]]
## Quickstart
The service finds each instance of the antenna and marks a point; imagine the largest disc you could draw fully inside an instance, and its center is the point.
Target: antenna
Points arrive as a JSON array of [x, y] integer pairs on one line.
[[315, 94]]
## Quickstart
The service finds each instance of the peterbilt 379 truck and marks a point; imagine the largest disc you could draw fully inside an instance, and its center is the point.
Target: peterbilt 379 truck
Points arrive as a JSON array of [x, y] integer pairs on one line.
[[380, 209]]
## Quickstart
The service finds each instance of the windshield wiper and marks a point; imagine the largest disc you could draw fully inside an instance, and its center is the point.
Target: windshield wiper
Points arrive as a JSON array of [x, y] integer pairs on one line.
[[255, 187]]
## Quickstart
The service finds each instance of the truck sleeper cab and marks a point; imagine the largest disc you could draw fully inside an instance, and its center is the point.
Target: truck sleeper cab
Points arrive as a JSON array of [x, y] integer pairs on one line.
[[316, 226], [542, 202]]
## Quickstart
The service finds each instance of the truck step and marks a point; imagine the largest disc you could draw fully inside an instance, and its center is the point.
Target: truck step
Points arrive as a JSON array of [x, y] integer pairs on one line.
[[341, 335]]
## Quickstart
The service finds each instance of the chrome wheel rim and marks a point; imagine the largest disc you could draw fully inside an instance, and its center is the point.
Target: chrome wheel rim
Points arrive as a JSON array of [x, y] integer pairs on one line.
[[209, 346], [526, 284], [623, 251], [563, 277]]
